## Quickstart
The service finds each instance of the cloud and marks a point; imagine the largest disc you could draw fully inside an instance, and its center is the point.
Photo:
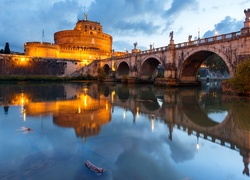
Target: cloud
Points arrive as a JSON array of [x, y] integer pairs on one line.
[[132, 15], [225, 26], [127, 21], [22, 22]]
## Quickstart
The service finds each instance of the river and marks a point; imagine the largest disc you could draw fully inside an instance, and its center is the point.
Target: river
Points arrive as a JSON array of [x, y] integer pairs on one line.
[[49, 130]]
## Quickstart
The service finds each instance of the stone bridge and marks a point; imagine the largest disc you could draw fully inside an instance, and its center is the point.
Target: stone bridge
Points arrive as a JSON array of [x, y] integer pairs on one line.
[[180, 62]]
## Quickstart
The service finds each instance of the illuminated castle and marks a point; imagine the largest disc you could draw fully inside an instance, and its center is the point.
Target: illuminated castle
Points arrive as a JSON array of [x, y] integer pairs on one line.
[[86, 43]]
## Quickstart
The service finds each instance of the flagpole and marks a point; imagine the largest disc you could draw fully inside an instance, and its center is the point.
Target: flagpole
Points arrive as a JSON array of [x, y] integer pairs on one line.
[[42, 36]]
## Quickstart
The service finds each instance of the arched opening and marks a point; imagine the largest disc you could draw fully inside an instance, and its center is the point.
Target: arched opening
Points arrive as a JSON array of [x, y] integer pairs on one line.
[[213, 67], [149, 69], [107, 69], [123, 69], [204, 64]]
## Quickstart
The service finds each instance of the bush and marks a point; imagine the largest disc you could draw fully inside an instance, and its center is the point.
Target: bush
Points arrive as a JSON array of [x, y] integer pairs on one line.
[[241, 81]]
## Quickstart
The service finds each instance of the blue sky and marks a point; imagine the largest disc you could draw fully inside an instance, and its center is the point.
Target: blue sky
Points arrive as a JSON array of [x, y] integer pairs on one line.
[[143, 21]]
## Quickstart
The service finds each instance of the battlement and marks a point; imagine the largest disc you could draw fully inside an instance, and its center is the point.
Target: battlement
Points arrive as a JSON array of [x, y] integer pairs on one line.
[[38, 43]]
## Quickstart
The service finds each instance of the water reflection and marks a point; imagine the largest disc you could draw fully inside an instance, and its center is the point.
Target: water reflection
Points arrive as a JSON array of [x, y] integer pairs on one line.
[[86, 107]]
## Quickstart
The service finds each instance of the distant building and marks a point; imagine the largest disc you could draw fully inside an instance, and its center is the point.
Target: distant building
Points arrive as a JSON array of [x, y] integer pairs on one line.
[[86, 43]]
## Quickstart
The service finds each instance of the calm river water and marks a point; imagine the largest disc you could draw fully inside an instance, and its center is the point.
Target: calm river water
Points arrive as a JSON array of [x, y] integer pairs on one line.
[[134, 132]]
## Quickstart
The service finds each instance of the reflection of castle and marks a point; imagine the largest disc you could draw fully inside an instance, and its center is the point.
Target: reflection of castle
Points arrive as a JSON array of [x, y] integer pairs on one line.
[[85, 114], [86, 42]]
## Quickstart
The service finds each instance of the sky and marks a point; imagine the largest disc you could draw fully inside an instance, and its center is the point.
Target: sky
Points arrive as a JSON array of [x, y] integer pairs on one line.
[[147, 22]]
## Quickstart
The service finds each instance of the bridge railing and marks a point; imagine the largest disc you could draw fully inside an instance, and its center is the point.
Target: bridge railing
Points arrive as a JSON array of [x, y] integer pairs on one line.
[[198, 42], [210, 40]]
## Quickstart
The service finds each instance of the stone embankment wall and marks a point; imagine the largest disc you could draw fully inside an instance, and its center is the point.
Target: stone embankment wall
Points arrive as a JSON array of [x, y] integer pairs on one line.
[[25, 65], [12, 66]]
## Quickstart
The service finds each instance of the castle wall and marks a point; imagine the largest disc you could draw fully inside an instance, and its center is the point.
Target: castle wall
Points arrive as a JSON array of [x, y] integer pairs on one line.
[[43, 49], [25, 65]]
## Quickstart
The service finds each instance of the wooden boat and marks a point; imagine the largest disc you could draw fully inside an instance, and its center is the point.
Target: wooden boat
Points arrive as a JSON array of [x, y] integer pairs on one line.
[[93, 167]]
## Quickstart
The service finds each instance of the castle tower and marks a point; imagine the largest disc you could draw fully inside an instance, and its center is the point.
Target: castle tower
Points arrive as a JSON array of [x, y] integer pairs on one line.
[[86, 42]]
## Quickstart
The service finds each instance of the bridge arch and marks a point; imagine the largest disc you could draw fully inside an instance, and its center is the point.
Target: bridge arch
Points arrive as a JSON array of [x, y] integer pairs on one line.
[[149, 66], [123, 69], [107, 69], [194, 58]]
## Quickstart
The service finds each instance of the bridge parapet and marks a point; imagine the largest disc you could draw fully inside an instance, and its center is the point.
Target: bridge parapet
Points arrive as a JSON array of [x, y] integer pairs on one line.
[[210, 40]]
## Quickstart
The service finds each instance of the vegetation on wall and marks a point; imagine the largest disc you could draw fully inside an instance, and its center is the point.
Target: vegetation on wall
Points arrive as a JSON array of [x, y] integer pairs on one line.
[[241, 81]]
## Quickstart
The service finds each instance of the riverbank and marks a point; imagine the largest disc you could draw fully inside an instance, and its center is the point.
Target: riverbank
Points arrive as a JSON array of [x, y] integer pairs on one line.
[[37, 78]]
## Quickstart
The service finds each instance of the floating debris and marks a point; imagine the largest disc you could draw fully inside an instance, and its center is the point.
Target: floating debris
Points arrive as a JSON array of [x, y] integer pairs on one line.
[[93, 167], [26, 129]]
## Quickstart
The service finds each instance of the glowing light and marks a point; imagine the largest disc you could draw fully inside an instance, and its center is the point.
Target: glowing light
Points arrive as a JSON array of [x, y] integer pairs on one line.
[[107, 105], [137, 112], [79, 109], [112, 96], [85, 100], [197, 144], [24, 115], [124, 114], [85, 90], [152, 125]]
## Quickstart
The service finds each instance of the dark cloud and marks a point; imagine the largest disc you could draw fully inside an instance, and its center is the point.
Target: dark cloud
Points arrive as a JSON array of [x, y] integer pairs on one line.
[[179, 6], [136, 28], [126, 15], [22, 22], [227, 25], [176, 9]]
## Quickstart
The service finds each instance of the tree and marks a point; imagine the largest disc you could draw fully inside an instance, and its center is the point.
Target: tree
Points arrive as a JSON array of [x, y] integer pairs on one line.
[[241, 81], [215, 63], [7, 48]]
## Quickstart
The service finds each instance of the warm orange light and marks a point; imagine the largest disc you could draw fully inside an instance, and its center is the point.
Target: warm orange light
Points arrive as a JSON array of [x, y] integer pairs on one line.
[[107, 105], [85, 100], [112, 96]]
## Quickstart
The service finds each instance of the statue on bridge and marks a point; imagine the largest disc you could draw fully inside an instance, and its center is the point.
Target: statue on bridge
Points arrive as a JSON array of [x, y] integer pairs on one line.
[[135, 44], [171, 35], [189, 38]]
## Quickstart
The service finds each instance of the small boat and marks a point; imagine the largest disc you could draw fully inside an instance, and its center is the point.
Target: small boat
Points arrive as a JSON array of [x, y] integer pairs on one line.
[[93, 167]]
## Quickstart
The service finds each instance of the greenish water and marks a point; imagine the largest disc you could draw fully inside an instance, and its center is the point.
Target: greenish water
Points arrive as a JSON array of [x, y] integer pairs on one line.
[[132, 131]]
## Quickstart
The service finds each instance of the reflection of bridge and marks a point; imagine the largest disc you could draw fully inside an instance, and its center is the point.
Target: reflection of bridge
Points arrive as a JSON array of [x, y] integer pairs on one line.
[[182, 109], [180, 62]]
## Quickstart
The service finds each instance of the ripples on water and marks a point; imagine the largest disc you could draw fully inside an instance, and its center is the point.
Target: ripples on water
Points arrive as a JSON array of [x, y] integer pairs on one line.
[[132, 131]]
